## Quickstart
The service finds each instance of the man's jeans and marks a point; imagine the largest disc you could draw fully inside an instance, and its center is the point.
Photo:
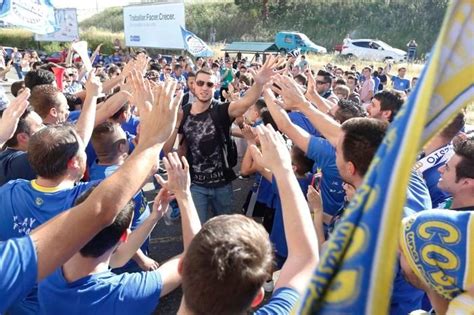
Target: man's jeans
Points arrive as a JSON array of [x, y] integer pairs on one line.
[[220, 200]]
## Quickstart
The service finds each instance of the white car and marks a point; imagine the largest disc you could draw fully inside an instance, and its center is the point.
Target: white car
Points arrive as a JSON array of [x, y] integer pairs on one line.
[[372, 50]]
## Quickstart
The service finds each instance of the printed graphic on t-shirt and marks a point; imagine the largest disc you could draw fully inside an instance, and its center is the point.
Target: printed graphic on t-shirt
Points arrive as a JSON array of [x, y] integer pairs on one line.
[[207, 167]]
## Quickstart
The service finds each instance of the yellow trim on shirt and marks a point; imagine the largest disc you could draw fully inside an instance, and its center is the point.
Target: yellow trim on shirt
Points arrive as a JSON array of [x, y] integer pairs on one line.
[[40, 188]]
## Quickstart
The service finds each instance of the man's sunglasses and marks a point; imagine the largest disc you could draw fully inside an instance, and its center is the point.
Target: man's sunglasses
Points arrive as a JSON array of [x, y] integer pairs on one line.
[[321, 82], [201, 83]]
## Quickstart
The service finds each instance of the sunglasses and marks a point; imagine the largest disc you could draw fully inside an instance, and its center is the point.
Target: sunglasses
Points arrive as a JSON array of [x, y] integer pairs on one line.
[[321, 82], [201, 83], [167, 69]]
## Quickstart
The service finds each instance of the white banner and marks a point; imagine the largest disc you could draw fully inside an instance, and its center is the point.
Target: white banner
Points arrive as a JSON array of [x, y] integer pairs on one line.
[[66, 20], [155, 25], [36, 16]]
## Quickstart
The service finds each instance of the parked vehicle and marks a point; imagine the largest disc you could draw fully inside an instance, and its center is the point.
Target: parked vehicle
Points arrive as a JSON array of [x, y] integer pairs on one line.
[[287, 41], [284, 42], [370, 49], [58, 57]]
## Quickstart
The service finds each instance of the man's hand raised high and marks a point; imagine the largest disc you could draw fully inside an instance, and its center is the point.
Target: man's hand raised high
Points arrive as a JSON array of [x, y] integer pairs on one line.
[[158, 120], [287, 87], [11, 116], [268, 70]]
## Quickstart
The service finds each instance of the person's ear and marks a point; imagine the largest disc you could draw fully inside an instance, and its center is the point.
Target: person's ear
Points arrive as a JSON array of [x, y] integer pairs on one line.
[[387, 114], [258, 298], [73, 163], [53, 112], [22, 137], [350, 167]]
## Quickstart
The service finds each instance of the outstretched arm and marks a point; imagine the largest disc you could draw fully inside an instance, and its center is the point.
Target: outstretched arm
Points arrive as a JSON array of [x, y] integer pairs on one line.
[[11, 116], [300, 235], [239, 107], [54, 242]]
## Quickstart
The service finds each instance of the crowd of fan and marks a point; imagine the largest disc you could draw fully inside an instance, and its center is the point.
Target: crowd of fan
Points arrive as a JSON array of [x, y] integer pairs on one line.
[[75, 221]]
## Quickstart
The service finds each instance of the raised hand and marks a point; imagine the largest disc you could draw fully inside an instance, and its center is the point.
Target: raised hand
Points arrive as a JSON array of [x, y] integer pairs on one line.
[[248, 134], [12, 114], [289, 91], [142, 91], [161, 203], [274, 155], [314, 199], [159, 120], [93, 85], [268, 70], [179, 181]]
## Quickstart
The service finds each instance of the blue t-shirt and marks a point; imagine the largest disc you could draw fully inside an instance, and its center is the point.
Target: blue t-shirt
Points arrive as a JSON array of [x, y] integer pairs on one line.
[[14, 165], [18, 270], [131, 125], [324, 156], [377, 84], [265, 192], [400, 84], [141, 213], [24, 206], [282, 302], [74, 116], [101, 293], [277, 236], [418, 196], [302, 121]]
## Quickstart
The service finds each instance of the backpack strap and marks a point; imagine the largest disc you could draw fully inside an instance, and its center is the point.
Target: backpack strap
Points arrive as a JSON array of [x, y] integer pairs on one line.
[[222, 135]]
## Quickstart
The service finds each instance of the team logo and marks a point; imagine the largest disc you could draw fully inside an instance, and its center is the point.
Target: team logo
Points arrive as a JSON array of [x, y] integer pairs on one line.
[[39, 201]]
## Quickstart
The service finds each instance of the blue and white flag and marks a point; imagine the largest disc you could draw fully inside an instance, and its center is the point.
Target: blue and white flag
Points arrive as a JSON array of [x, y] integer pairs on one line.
[[196, 46], [356, 272], [34, 15]]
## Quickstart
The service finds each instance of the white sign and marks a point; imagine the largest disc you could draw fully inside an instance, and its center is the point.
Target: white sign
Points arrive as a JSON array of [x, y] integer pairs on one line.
[[68, 31], [36, 16], [156, 25]]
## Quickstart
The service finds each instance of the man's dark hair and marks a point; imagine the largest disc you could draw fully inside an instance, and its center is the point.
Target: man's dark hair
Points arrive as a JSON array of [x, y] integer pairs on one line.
[[362, 138], [122, 109], [351, 77], [22, 127], [105, 141], [268, 119], [50, 149], [177, 67], [108, 237], [390, 100], [454, 127], [38, 77], [341, 81], [225, 265], [17, 86], [73, 101], [43, 98], [112, 69], [191, 74], [327, 76], [260, 104], [348, 109], [299, 159], [465, 149], [204, 70], [302, 78]]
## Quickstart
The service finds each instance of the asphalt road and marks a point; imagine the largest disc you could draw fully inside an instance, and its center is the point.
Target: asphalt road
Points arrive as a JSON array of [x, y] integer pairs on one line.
[[166, 242]]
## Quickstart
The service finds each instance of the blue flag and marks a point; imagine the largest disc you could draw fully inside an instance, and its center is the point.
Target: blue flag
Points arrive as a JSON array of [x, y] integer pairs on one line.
[[196, 46], [34, 15], [356, 273]]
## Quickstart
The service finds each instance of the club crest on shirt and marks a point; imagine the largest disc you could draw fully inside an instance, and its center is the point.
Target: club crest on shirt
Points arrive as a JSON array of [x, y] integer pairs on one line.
[[39, 201]]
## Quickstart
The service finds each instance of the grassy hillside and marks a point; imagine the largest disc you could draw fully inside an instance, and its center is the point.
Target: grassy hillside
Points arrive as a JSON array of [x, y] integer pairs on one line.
[[325, 22]]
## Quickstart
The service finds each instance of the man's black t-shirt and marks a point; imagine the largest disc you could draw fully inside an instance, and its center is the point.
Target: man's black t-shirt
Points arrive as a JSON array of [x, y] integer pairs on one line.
[[203, 149], [13, 165]]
